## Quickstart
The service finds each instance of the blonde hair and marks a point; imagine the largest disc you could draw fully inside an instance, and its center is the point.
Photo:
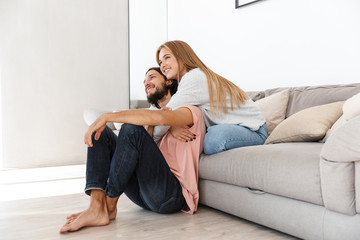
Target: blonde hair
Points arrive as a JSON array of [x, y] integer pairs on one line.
[[184, 53]]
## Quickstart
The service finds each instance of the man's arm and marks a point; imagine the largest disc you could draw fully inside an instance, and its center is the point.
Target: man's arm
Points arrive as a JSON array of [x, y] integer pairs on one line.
[[179, 117]]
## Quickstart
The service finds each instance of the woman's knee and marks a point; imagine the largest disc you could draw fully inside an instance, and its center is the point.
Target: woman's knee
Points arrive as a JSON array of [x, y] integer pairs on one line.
[[223, 137], [216, 138], [213, 144]]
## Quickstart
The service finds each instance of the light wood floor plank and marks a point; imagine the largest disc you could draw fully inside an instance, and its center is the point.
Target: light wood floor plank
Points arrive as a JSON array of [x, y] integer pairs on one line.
[[41, 218]]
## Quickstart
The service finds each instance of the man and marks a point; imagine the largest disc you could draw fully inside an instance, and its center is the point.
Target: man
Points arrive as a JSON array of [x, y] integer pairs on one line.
[[134, 164]]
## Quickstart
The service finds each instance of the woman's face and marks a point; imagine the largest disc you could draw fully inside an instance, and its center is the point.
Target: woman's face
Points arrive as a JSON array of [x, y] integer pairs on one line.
[[169, 65]]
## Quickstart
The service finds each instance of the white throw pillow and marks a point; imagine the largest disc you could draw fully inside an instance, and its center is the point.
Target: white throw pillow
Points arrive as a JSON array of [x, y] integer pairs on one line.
[[351, 109]]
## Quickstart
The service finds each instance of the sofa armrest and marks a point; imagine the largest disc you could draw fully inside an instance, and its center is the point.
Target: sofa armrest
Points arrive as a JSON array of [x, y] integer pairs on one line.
[[338, 159], [343, 145]]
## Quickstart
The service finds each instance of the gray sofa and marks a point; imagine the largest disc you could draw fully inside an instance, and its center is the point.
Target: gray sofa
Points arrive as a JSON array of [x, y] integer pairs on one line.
[[310, 190]]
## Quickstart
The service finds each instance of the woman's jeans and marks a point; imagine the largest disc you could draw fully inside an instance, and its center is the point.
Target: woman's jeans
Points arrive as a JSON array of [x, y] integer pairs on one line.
[[223, 137], [132, 163]]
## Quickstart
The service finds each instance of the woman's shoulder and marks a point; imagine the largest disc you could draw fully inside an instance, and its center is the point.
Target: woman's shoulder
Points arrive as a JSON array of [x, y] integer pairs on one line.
[[194, 77]]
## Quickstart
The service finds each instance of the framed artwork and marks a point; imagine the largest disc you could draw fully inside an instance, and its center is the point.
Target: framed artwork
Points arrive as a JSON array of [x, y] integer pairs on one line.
[[243, 3]]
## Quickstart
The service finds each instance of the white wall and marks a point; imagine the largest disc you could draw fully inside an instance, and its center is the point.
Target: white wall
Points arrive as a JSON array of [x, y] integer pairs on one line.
[[148, 30], [272, 43], [58, 58]]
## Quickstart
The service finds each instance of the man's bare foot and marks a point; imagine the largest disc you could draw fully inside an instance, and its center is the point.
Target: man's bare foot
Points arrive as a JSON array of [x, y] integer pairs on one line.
[[87, 218], [95, 215], [72, 217], [112, 206]]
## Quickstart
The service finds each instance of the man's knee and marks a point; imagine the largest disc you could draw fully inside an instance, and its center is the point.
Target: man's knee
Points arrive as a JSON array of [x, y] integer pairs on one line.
[[128, 128], [104, 133]]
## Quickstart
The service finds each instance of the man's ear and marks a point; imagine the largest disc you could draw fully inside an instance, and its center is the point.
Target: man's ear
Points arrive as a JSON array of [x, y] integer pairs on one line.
[[168, 82]]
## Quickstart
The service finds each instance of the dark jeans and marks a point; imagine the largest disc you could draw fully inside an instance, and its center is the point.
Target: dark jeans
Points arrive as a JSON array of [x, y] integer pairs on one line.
[[132, 163]]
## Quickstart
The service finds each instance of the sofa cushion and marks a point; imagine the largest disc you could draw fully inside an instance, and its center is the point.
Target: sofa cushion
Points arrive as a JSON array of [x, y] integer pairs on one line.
[[305, 97], [273, 108], [288, 169], [310, 124], [256, 95]]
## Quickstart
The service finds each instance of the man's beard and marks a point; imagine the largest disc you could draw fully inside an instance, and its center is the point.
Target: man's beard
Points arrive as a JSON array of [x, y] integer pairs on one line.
[[158, 95]]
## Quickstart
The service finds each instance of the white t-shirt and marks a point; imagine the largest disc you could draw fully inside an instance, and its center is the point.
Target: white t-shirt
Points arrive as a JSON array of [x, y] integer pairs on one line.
[[193, 90]]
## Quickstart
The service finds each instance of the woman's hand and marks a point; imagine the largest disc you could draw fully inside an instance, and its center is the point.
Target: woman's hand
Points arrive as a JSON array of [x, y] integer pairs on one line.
[[182, 134], [98, 126]]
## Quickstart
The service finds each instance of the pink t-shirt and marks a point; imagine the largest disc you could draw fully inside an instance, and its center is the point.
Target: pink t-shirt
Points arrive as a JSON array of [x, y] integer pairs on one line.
[[183, 158]]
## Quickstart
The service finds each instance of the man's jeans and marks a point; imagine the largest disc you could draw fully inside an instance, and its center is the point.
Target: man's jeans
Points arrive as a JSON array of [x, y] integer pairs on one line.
[[223, 137], [133, 163]]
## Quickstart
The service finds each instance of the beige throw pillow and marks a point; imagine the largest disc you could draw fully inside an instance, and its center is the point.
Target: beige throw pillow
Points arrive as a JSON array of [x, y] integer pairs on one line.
[[273, 108], [309, 124]]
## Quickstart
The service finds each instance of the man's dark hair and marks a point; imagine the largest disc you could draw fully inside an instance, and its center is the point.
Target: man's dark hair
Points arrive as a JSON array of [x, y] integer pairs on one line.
[[159, 95]]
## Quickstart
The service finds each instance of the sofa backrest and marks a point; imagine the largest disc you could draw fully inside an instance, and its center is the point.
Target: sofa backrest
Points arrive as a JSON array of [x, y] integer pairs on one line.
[[305, 97]]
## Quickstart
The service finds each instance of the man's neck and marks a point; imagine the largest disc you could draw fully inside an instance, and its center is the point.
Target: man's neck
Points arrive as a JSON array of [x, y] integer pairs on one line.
[[162, 102]]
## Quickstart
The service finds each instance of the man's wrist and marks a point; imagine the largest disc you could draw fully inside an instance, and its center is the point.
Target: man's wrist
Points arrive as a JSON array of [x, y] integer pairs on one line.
[[106, 117]]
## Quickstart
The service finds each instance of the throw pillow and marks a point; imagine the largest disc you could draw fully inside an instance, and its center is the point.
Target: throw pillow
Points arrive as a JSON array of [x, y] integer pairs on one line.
[[351, 109], [341, 121], [309, 124], [273, 108]]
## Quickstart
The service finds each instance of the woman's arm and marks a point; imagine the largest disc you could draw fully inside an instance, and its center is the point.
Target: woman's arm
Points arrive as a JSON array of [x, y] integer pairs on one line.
[[179, 117]]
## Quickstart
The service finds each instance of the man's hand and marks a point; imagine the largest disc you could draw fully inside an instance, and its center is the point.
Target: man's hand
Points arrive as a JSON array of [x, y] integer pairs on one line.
[[149, 129], [98, 126]]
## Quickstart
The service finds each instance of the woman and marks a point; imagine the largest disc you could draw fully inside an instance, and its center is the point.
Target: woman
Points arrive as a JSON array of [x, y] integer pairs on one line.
[[232, 118], [159, 177]]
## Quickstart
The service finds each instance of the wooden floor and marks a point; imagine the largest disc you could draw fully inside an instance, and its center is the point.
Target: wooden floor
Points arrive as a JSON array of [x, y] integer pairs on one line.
[[42, 217]]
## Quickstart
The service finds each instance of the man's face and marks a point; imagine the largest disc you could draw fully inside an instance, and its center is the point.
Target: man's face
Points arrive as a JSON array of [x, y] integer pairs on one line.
[[156, 87], [153, 82]]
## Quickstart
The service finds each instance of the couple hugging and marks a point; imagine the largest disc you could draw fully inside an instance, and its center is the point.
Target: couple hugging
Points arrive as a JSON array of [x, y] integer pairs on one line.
[[154, 160]]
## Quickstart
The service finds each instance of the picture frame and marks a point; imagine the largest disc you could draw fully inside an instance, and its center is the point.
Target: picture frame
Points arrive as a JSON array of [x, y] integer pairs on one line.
[[243, 3]]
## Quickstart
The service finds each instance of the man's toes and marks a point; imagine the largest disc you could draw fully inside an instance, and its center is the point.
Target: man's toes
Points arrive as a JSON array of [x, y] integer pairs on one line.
[[65, 228], [69, 227], [70, 220], [73, 215]]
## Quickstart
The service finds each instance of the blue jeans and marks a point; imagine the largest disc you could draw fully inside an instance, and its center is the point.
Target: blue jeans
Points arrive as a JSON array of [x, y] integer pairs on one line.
[[133, 164], [223, 137]]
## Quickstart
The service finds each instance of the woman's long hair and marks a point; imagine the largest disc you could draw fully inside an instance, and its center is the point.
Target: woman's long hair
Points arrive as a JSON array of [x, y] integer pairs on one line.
[[184, 53]]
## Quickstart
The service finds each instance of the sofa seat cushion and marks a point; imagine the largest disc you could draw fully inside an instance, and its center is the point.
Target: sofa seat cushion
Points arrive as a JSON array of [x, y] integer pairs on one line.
[[286, 169]]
